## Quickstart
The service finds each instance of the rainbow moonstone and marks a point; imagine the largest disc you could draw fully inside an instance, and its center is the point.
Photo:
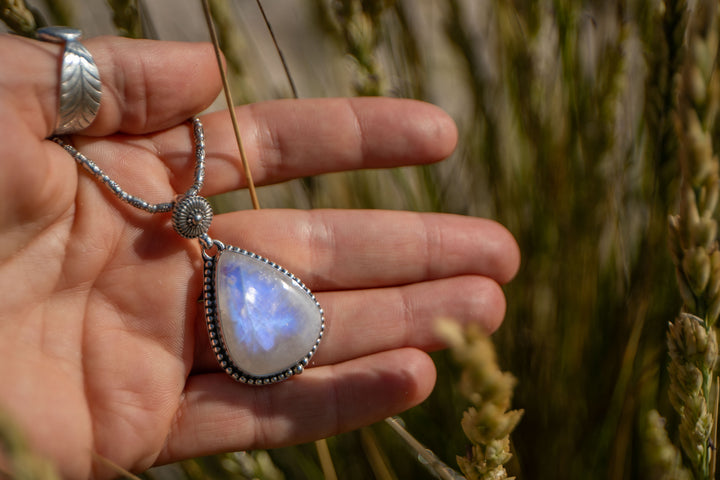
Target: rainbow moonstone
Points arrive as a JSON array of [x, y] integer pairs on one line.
[[270, 322]]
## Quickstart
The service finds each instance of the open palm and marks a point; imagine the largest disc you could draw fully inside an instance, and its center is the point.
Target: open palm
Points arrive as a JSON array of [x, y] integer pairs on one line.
[[102, 342]]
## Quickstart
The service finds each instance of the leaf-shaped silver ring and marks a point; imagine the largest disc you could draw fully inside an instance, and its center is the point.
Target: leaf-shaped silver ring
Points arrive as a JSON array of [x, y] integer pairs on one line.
[[80, 88]]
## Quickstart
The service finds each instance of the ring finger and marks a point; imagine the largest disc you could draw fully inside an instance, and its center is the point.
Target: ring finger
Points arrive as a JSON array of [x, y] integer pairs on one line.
[[364, 322]]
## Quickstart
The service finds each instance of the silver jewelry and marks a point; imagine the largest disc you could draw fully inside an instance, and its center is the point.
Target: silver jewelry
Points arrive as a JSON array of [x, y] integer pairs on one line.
[[80, 88], [264, 324]]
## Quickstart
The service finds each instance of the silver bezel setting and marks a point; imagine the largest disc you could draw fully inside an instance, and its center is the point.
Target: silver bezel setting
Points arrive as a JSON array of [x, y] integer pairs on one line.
[[214, 328]]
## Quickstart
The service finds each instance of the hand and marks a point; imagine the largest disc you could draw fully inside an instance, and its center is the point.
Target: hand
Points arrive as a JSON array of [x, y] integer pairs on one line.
[[102, 340]]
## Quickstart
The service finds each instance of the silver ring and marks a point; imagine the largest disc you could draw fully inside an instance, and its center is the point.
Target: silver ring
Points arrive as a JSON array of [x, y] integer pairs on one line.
[[80, 88]]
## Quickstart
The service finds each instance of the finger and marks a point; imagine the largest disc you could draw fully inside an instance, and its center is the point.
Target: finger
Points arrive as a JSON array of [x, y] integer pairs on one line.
[[220, 415], [147, 85], [341, 249], [289, 139], [370, 321], [364, 322]]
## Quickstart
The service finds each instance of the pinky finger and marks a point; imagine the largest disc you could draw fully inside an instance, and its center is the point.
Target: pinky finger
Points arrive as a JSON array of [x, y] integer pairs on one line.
[[219, 415]]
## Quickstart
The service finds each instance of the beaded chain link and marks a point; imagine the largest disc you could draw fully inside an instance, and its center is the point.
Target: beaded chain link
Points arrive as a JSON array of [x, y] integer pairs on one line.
[[192, 213]]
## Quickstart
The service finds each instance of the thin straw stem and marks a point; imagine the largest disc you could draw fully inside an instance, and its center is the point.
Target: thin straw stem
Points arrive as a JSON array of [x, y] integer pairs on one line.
[[230, 104], [713, 450], [114, 466], [375, 456], [279, 51], [431, 462], [326, 462]]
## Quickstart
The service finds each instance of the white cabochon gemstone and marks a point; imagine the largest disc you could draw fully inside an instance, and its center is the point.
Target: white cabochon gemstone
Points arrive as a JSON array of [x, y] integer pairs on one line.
[[269, 322]]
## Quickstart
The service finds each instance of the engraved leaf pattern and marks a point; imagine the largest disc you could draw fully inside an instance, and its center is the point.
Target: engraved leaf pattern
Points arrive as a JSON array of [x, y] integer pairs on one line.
[[80, 88]]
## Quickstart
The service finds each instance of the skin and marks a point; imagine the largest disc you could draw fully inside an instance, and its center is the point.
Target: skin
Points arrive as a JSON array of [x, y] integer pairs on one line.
[[101, 334]]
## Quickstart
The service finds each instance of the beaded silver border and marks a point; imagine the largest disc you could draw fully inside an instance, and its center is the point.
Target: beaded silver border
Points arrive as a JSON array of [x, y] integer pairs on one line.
[[214, 328]]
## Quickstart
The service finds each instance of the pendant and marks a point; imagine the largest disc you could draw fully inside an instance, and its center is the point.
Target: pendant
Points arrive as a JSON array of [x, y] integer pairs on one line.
[[264, 323]]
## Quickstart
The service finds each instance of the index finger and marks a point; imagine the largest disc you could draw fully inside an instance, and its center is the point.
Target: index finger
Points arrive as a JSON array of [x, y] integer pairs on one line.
[[287, 139]]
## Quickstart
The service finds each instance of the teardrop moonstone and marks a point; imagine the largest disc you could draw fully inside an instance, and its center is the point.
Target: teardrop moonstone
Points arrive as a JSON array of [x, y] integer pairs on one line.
[[270, 322]]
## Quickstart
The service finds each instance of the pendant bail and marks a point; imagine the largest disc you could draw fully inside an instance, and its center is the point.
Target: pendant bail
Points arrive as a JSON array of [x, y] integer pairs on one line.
[[191, 216]]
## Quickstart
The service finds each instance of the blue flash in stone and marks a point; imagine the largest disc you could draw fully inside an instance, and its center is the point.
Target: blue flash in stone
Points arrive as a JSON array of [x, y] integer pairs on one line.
[[262, 304], [270, 323]]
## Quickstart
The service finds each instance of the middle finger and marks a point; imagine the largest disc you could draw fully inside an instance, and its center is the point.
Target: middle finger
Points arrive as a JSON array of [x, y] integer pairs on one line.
[[351, 249]]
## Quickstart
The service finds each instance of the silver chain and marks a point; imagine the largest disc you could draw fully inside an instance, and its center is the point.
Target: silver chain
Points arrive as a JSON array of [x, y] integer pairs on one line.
[[138, 202], [191, 213]]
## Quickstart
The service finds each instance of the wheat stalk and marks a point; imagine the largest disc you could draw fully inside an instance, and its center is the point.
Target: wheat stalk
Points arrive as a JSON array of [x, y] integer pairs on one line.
[[692, 339], [17, 460], [664, 461], [358, 24], [488, 422], [126, 17], [18, 17]]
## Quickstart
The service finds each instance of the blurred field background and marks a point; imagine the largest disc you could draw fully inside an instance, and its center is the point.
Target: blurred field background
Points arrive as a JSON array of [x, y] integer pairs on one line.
[[565, 111]]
